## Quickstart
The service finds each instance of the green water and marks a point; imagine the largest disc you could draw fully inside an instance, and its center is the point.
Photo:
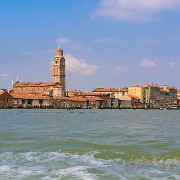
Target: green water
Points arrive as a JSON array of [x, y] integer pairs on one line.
[[89, 144]]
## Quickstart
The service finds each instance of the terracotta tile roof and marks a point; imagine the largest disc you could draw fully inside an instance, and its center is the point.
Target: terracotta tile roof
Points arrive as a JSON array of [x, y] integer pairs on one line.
[[170, 87], [133, 97], [61, 98], [109, 89], [150, 86], [137, 86], [29, 96], [80, 98], [92, 94], [37, 84], [75, 90], [94, 98], [2, 92], [163, 90]]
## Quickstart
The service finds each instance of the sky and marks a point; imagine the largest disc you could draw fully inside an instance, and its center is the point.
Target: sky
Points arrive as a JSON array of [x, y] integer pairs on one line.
[[117, 43]]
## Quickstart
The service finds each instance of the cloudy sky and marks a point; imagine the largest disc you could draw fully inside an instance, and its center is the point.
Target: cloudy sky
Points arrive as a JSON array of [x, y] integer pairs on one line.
[[106, 43]]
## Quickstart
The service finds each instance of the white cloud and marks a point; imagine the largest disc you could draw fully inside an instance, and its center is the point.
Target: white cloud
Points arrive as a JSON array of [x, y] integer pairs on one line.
[[146, 40], [4, 75], [138, 10], [37, 52], [70, 43], [119, 70], [106, 40], [172, 64], [147, 63], [63, 40], [74, 65]]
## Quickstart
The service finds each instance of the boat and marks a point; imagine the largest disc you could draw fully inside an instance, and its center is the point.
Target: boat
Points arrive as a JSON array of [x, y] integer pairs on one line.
[[163, 109]]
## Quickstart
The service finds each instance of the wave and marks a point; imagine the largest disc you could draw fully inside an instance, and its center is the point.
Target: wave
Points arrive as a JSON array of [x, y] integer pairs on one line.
[[90, 164]]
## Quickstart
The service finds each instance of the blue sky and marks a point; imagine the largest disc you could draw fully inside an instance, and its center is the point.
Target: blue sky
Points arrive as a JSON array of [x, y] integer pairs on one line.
[[115, 43]]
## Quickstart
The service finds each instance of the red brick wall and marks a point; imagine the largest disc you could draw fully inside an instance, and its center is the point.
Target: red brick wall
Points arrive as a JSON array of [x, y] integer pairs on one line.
[[6, 100]]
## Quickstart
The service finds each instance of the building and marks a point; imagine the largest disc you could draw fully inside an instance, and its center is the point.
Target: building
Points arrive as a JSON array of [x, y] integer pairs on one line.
[[155, 96], [59, 69], [111, 92], [136, 91], [168, 96], [53, 89], [74, 92], [23, 100], [6, 100], [41, 94], [150, 94], [78, 102], [35, 94], [49, 88], [178, 99]]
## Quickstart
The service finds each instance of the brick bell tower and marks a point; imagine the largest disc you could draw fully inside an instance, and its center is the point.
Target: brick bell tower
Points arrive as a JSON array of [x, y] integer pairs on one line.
[[59, 74]]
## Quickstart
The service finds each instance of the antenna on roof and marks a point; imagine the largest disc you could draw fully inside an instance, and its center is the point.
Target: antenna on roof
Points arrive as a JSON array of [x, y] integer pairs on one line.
[[12, 84], [17, 79]]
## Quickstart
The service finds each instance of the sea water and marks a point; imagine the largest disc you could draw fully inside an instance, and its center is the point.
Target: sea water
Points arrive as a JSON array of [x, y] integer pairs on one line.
[[89, 144]]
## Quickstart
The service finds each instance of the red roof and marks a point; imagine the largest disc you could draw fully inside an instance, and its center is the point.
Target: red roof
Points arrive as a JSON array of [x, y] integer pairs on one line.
[[109, 90], [28, 96]]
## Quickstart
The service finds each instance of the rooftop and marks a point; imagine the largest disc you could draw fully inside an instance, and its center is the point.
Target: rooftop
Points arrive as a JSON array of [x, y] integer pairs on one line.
[[30, 84]]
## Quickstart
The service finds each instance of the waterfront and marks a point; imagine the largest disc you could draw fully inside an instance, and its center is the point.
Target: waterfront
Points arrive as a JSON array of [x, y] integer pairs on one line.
[[89, 144]]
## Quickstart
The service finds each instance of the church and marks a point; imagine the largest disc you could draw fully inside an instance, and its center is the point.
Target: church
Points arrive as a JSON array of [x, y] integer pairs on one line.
[[56, 88]]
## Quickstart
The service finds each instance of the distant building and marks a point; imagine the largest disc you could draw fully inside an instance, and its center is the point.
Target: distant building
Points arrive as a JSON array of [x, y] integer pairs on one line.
[[47, 88], [135, 91], [112, 92], [39, 94], [59, 69], [6, 100], [28, 94], [74, 92], [31, 100], [150, 93], [155, 96], [168, 96], [55, 88]]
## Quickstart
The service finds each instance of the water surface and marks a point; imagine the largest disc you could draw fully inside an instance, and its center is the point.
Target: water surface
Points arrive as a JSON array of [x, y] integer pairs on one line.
[[89, 144]]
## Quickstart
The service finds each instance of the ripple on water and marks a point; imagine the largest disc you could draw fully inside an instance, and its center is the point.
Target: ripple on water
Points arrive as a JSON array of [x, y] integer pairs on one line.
[[61, 164]]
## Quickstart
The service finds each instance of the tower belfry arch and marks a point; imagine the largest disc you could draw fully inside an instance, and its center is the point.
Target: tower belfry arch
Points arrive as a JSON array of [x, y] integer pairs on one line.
[[59, 74]]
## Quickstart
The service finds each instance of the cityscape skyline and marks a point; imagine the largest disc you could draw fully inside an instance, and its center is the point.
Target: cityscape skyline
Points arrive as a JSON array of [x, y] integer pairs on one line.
[[106, 44]]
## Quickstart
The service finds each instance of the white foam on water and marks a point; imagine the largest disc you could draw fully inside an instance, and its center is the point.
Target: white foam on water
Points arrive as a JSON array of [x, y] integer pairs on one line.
[[31, 170], [169, 162], [77, 171], [52, 165], [4, 168], [26, 172]]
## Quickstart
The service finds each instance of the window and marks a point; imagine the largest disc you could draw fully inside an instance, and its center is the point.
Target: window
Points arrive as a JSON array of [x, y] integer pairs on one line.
[[5, 99], [30, 101], [40, 101]]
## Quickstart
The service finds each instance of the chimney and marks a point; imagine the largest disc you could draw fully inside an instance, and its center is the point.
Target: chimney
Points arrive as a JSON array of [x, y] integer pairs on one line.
[[165, 87]]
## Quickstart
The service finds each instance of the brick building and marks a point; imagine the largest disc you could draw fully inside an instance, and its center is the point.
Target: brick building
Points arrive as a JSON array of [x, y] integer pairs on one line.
[[6, 99]]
